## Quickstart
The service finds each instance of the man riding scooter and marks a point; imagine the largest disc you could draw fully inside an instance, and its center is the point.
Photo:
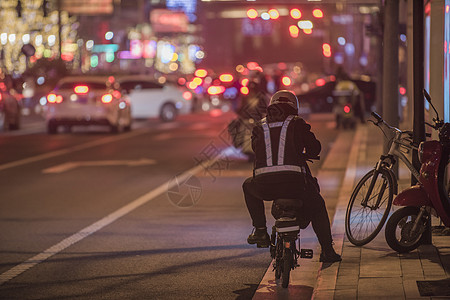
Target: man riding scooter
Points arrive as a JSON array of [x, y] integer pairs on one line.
[[282, 143]]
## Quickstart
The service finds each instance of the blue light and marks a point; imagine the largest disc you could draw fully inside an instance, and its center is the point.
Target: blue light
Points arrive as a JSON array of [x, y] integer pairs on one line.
[[341, 41], [349, 49], [230, 93], [265, 16]]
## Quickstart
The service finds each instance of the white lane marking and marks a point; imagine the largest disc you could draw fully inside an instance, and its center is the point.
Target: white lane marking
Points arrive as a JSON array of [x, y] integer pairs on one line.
[[87, 231], [72, 149], [98, 163]]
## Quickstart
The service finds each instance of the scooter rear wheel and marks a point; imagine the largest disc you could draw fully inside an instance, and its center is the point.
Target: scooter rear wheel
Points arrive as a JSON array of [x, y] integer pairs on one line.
[[287, 266]]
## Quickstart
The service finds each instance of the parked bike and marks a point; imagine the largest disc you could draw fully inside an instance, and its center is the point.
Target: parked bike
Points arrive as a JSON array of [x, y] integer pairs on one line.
[[285, 238], [371, 199], [405, 228]]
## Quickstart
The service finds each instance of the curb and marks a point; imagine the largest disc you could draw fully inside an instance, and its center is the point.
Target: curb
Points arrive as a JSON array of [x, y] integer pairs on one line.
[[327, 274]]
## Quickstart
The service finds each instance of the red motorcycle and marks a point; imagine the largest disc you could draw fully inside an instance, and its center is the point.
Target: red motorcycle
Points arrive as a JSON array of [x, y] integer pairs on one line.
[[430, 196]]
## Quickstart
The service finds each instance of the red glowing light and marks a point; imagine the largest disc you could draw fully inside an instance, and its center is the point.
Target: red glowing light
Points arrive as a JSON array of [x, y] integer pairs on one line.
[[326, 50], [294, 31], [226, 77], [402, 90], [201, 73], [244, 90], [274, 14], [252, 65], [347, 109], [181, 81], [252, 13], [216, 89], [117, 94], [107, 98], [187, 95], [318, 13], [81, 89], [320, 82], [286, 81], [53, 98], [295, 13]]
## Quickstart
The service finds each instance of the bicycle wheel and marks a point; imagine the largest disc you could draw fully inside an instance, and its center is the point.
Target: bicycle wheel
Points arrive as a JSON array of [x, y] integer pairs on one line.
[[287, 265], [364, 222]]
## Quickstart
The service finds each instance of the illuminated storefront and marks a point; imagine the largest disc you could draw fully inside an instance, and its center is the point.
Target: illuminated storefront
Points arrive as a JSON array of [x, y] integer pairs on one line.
[[437, 55]]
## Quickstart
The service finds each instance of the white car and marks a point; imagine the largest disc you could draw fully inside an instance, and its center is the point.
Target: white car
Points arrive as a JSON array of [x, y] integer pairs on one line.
[[88, 100], [150, 99]]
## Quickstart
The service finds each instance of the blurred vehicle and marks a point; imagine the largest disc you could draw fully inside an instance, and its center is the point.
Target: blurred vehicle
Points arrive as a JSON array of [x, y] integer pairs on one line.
[[346, 96], [88, 100], [10, 106], [151, 99], [321, 98]]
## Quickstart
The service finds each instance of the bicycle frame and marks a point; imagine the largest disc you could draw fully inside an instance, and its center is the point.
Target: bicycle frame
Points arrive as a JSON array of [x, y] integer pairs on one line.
[[389, 160]]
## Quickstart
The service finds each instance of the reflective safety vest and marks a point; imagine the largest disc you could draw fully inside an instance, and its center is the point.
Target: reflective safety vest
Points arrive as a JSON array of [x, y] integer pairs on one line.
[[279, 166]]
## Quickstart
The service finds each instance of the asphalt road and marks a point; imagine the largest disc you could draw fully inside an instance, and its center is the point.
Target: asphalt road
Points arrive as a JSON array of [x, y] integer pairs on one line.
[[138, 215]]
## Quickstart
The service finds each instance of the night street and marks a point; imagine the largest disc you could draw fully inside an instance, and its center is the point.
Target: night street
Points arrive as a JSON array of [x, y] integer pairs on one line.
[[128, 231], [129, 128]]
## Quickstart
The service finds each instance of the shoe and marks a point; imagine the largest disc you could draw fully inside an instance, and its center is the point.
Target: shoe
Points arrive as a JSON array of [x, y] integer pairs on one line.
[[259, 237], [329, 256]]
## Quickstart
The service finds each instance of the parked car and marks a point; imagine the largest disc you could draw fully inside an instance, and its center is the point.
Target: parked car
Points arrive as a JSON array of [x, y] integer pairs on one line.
[[150, 99], [10, 107], [88, 100]]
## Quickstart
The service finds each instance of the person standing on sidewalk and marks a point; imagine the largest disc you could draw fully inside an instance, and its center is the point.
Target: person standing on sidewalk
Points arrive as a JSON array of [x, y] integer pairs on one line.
[[282, 143]]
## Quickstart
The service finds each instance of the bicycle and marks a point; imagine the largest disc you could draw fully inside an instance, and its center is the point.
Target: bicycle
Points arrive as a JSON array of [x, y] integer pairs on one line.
[[285, 237], [371, 199]]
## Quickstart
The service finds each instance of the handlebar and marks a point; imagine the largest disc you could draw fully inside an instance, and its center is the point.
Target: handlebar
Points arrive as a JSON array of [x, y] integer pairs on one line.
[[377, 116]]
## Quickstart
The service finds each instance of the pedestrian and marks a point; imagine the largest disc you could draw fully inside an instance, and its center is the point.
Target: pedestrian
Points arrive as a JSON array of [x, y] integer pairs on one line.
[[282, 143]]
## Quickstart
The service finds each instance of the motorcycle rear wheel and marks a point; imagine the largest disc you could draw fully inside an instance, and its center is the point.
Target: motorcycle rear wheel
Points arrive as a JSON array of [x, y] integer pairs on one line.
[[287, 266], [398, 230]]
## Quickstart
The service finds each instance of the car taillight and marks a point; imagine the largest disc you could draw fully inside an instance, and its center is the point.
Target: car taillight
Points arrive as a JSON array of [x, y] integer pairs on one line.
[[81, 89], [107, 98], [187, 95], [347, 109], [216, 89], [244, 90], [53, 98], [117, 94]]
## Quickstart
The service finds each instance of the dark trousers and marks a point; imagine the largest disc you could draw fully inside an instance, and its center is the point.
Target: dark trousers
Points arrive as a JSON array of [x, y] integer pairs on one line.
[[256, 192]]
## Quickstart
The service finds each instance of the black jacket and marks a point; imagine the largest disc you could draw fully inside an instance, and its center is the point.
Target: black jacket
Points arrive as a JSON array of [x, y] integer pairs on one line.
[[301, 144]]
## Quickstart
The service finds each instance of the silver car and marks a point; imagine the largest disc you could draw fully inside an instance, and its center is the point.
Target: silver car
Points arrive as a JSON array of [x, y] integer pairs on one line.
[[88, 100]]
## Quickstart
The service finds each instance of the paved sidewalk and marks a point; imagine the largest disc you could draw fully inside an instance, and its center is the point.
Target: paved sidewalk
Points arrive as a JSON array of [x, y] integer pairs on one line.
[[375, 271]]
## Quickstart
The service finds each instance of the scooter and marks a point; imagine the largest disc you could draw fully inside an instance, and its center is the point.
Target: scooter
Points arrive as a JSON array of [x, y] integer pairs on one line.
[[430, 196], [285, 236], [343, 109]]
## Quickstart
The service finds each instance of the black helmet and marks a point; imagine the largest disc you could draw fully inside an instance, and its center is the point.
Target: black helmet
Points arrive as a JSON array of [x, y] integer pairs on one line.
[[284, 96]]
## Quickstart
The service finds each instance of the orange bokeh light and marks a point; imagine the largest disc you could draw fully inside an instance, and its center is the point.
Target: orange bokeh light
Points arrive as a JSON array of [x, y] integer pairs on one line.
[[318, 13], [252, 13], [296, 13]]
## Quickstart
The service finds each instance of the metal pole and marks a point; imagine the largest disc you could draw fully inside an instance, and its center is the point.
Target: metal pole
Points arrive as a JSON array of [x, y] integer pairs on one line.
[[390, 64], [419, 109]]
